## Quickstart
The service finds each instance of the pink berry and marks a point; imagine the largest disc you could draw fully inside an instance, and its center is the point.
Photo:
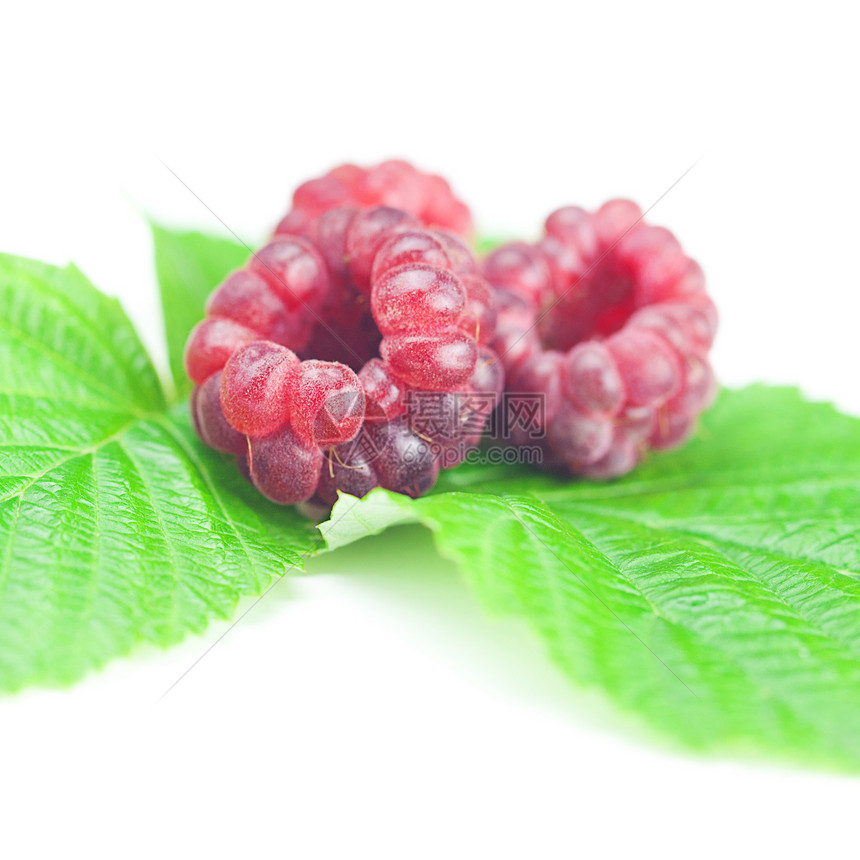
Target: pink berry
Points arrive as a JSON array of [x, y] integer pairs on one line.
[[630, 311]]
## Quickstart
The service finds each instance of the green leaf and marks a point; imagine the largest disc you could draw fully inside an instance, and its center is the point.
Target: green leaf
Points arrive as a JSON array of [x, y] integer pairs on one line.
[[715, 592], [189, 266], [484, 244], [116, 525]]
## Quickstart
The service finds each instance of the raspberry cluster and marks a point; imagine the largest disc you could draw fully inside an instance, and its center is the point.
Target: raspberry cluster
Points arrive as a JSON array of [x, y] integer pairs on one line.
[[312, 361], [325, 363], [392, 183], [608, 318]]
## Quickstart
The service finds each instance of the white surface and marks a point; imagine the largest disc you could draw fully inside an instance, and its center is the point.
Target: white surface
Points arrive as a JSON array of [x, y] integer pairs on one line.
[[374, 711]]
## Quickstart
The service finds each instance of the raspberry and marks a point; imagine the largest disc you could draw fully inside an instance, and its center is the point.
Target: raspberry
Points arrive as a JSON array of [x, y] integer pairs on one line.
[[393, 183], [308, 356], [257, 387], [608, 319]]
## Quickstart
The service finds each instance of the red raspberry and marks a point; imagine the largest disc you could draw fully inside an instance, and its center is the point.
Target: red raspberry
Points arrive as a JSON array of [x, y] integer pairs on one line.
[[392, 183], [312, 399], [608, 318]]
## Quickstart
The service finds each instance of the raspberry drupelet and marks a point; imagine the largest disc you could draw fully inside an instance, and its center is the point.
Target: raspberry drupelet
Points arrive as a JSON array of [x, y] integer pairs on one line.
[[609, 319]]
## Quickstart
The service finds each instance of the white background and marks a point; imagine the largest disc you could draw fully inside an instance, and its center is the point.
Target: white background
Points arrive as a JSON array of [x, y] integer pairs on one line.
[[373, 710]]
